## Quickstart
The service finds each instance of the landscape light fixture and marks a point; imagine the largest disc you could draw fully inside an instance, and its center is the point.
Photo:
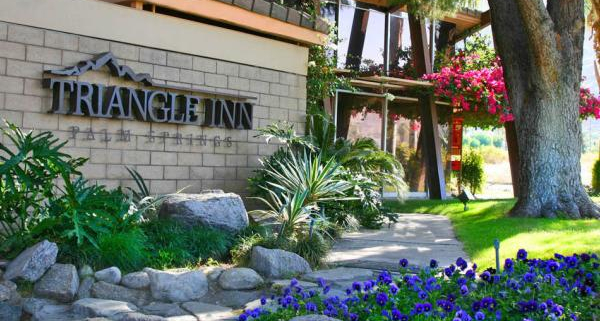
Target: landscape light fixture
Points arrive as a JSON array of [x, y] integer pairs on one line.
[[465, 196]]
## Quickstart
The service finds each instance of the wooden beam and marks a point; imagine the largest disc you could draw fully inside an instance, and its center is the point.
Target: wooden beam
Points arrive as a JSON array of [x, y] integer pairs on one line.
[[137, 5], [234, 15], [436, 181], [486, 20], [397, 81]]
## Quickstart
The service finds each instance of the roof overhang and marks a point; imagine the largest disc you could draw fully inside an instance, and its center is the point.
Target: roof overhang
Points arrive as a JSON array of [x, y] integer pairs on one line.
[[229, 14]]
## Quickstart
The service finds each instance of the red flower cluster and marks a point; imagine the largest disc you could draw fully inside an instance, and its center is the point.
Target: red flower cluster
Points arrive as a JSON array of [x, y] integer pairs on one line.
[[471, 87], [589, 105]]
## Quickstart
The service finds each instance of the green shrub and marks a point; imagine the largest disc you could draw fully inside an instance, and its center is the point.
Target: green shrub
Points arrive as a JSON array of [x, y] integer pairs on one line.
[[473, 175], [596, 177], [312, 248], [171, 244]]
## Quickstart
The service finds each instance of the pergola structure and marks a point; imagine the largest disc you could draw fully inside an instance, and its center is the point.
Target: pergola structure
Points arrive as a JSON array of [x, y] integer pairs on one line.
[[451, 29]]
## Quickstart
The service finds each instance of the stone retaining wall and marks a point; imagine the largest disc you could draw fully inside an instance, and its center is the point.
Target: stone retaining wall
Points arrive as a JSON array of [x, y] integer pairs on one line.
[[168, 163]]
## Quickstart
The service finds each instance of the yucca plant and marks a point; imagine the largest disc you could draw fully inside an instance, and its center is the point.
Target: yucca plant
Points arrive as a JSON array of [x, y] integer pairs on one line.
[[320, 179], [291, 211]]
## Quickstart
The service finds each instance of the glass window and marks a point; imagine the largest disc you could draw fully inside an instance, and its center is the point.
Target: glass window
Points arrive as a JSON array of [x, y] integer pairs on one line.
[[359, 116]]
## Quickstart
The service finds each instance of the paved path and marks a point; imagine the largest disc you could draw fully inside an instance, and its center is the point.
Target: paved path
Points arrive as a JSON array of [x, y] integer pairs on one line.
[[416, 237]]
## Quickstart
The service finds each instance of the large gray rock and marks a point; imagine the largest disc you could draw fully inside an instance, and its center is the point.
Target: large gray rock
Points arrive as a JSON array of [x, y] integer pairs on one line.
[[85, 288], [33, 305], [109, 275], [10, 311], [85, 271], [136, 316], [60, 283], [240, 279], [212, 272], [215, 209], [313, 317], [278, 263], [5, 293], [55, 312], [232, 299], [91, 307], [209, 312], [136, 280], [32, 263], [108, 291], [177, 285], [164, 309]]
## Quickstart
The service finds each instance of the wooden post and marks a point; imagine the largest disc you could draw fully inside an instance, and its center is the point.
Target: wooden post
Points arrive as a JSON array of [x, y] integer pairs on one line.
[[436, 181], [357, 38], [137, 5], [513, 154]]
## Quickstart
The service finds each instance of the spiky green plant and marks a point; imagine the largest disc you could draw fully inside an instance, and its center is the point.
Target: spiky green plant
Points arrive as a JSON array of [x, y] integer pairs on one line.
[[320, 179], [292, 211]]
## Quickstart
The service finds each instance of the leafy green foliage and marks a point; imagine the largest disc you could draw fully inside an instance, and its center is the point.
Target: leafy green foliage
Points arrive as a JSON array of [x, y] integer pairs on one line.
[[313, 248], [436, 8], [171, 244], [28, 170], [473, 175], [596, 177], [322, 79]]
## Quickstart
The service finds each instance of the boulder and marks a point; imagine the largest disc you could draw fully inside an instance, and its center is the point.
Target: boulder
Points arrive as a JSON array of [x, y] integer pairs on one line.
[[164, 309], [277, 263], [32, 263], [109, 275], [212, 272], [214, 209], [54, 312], [313, 317], [136, 316], [209, 312], [240, 279], [232, 299], [136, 280], [85, 271], [109, 291], [60, 283], [85, 288], [182, 318], [5, 293], [91, 307], [177, 285], [10, 311], [33, 305]]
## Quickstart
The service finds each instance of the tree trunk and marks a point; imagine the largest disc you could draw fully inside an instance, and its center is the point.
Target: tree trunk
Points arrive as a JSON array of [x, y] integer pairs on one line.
[[541, 51]]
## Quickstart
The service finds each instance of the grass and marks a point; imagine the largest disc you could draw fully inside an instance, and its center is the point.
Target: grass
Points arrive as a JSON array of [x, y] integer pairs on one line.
[[485, 220]]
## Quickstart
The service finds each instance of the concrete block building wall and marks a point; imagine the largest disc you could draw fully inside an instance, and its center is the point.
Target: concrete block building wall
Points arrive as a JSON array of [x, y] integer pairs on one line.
[[159, 151]]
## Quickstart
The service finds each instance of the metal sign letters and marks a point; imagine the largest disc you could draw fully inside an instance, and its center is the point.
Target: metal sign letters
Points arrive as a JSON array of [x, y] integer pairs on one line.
[[96, 100]]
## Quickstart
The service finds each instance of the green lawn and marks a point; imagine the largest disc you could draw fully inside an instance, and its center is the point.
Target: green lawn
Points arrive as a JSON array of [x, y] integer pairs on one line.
[[485, 220]]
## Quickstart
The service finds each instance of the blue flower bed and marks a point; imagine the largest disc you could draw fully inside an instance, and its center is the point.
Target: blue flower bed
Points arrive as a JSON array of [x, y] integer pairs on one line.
[[561, 288]]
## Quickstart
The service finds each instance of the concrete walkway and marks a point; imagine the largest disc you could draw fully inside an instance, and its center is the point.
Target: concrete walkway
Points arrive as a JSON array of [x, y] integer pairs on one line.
[[416, 237]]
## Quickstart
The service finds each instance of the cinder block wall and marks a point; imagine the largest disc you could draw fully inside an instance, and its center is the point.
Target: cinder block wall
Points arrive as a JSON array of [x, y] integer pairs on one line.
[[25, 52]]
